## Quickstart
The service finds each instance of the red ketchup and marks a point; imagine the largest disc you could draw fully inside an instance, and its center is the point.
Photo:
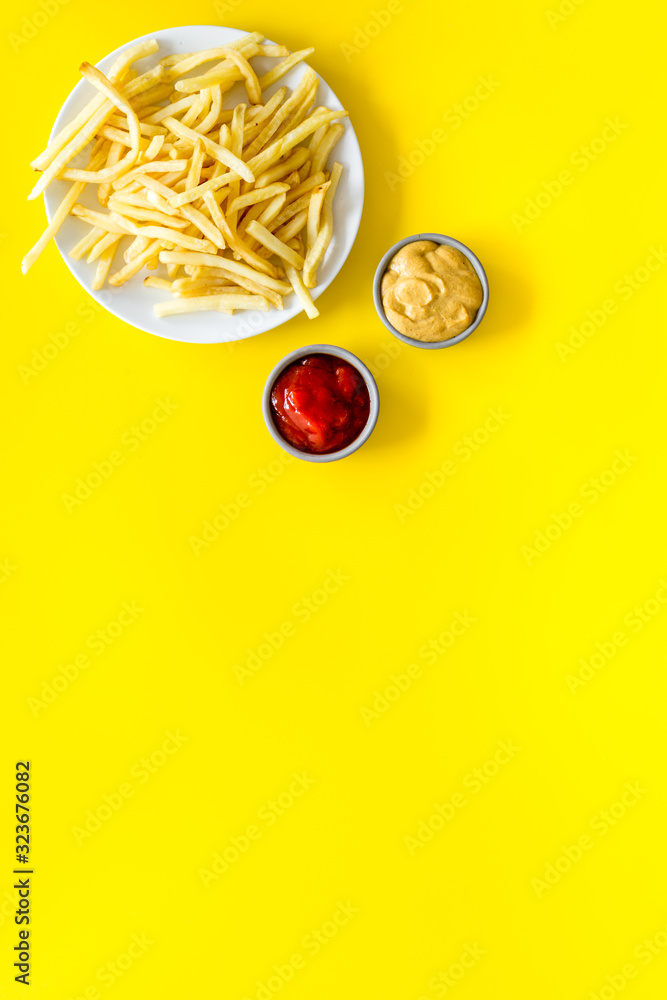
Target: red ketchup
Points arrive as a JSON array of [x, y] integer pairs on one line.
[[320, 403]]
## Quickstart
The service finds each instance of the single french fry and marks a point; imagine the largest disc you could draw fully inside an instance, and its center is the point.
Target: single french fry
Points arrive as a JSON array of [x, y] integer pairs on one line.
[[259, 211], [293, 162], [209, 260], [108, 240], [154, 167], [250, 285], [258, 194], [196, 163], [224, 75], [269, 241], [273, 51], [188, 285], [104, 85], [252, 86], [314, 212], [137, 246], [208, 55], [61, 213], [283, 67], [104, 222], [242, 251], [106, 174], [300, 113], [170, 235], [293, 179], [301, 292], [172, 109], [127, 272], [317, 137], [200, 105], [292, 228], [155, 186], [247, 46], [113, 156], [86, 243], [121, 136], [160, 203], [186, 197], [236, 145], [148, 102], [316, 253], [104, 265], [217, 218], [162, 283], [305, 186], [258, 114], [225, 72], [145, 214], [217, 289], [271, 212], [205, 226], [127, 197], [321, 154], [146, 129], [291, 209], [296, 243], [219, 303], [211, 118], [154, 148]]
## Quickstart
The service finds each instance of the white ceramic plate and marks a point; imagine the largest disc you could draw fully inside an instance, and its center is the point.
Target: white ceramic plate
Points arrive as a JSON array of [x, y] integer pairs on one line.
[[132, 302]]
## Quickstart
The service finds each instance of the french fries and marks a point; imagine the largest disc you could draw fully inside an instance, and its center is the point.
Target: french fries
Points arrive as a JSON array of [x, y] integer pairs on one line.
[[240, 198]]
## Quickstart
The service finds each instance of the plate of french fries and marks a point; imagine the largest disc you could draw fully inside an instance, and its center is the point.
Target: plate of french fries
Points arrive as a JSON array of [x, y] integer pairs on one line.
[[204, 184]]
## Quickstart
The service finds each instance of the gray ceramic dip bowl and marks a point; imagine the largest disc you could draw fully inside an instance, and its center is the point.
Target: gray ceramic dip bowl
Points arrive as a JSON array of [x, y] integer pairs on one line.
[[447, 241], [338, 352]]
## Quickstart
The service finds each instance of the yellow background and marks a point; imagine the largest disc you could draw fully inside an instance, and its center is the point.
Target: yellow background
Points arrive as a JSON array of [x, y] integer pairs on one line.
[[172, 669]]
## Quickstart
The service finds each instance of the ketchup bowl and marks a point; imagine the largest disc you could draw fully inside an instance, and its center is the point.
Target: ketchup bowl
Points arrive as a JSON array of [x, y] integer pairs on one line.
[[320, 403]]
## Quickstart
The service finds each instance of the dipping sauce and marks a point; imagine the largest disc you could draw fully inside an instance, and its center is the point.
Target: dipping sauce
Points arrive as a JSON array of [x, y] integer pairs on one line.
[[320, 403], [430, 291]]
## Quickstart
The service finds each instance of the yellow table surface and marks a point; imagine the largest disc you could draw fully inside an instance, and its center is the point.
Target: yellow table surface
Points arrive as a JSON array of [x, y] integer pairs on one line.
[[392, 731]]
